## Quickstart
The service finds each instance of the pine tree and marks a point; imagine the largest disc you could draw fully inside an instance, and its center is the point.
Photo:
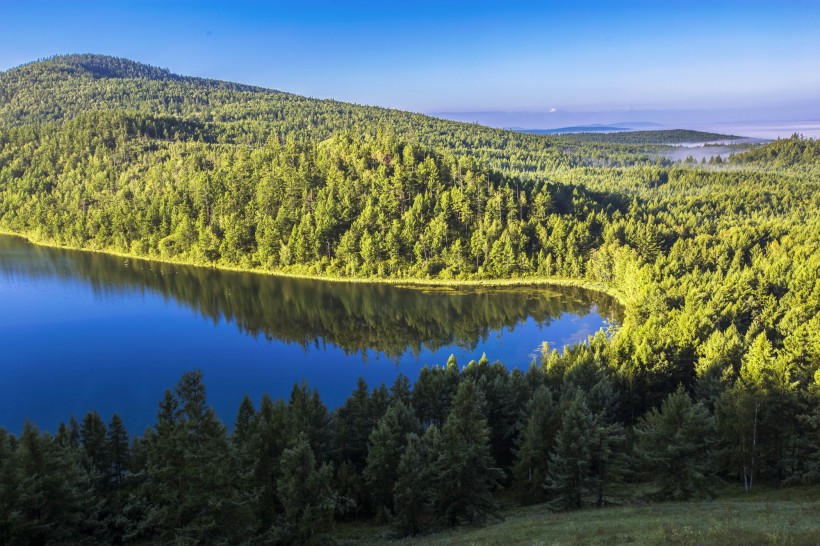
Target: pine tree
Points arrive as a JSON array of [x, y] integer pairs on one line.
[[387, 442], [354, 425], [307, 413], [245, 425], [401, 391], [210, 506], [465, 473], [674, 446], [9, 488], [303, 490], [118, 455], [56, 502], [272, 440], [93, 436], [532, 465], [411, 491], [118, 452], [568, 479]]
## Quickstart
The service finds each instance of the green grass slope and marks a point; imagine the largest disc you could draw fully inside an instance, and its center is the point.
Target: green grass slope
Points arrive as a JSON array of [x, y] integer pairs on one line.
[[767, 516]]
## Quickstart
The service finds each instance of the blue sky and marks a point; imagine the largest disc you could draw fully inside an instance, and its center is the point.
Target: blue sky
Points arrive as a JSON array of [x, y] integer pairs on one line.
[[714, 56]]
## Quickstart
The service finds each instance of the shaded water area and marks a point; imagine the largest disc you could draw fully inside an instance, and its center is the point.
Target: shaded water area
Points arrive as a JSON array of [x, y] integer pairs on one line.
[[85, 331]]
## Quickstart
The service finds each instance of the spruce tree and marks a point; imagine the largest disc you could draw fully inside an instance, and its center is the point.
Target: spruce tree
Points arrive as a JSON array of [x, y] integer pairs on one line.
[[411, 493], [568, 479], [93, 435], [244, 427], [272, 427], [118, 452], [533, 456], [387, 442], [674, 446], [9, 488], [465, 472], [400, 391], [354, 425], [307, 414], [305, 494]]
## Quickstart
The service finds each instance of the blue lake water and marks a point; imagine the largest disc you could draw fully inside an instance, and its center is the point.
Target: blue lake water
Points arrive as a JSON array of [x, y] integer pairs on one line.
[[83, 331]]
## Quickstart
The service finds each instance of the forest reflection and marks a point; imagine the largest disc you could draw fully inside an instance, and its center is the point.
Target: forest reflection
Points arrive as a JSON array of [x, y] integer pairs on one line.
[[356, 317]]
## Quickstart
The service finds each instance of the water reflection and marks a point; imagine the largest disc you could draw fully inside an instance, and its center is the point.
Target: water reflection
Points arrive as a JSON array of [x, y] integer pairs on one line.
[[356, 317]]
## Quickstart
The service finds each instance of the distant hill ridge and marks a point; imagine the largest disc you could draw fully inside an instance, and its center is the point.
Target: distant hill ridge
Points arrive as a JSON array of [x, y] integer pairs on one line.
[[61, 88], [102, 66]]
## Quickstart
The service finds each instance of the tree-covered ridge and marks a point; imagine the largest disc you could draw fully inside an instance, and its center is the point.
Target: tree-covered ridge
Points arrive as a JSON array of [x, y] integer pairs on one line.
[[660, 136], [797, 152], [64, 87], [346, 206]]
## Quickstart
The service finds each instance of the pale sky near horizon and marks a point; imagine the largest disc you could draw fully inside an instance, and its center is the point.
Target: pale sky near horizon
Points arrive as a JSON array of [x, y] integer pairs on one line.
[[718, 57]]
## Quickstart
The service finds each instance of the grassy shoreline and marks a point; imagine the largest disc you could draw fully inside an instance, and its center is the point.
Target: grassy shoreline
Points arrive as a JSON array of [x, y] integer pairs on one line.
[[410, 282]]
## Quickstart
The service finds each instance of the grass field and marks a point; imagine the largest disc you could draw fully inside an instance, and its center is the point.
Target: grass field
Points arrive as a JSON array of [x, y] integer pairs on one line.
[[768, 516]]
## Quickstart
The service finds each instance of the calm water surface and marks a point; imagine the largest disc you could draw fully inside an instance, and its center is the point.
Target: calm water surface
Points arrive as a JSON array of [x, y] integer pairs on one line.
[[82, 331]]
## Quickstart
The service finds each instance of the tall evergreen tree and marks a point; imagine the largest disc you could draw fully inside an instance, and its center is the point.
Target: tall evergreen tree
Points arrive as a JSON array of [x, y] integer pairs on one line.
[[305, 494], [533, 456], [387, 442], [93, 435], [465, 473], [568, 478], [674, 446], [412, 489], [118, 451]]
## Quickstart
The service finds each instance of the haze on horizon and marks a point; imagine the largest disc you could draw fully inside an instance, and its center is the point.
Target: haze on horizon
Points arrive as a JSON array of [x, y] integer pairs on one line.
[[530, 64]]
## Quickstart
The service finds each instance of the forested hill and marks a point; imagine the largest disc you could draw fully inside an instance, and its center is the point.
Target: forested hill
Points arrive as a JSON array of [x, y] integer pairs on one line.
[[665, 136], [64, 87]]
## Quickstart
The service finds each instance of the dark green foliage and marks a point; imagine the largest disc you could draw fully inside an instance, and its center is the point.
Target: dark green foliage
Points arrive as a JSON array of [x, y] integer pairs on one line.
[[118, 453], [54, 498], [674, 446], [401, 391], [190, 490], [93, 436], [465, 473], [569, 478], [305, 494], [387, 444], [308, 415], [669, 136], [537, 438], [412, 491]]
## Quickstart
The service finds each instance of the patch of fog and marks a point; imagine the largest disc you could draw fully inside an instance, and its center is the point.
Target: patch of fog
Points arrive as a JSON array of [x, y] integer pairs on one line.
[[767, 130], [701, 152]]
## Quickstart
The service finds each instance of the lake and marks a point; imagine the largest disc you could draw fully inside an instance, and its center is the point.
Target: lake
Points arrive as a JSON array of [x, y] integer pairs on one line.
[[84, 331]]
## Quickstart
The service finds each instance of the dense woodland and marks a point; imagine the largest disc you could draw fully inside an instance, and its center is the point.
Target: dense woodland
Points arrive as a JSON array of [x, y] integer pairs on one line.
[[663, 136], [713, 375]]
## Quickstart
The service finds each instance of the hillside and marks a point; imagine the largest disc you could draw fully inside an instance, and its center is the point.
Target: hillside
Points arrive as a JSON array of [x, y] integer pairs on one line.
[[768, 517], [663, 136], [63, 87]]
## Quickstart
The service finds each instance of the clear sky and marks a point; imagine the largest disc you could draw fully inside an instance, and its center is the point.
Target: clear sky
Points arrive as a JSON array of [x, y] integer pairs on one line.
[[470, 56]]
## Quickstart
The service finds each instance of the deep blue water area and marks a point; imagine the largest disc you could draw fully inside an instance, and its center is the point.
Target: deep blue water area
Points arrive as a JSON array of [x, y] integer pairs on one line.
[[84, 331]]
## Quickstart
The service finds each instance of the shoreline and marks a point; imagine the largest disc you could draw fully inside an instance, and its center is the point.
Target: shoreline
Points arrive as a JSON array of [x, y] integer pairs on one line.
[[410, 282]]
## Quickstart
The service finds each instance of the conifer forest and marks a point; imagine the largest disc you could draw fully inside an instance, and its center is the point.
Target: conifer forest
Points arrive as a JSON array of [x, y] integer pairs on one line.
[[709, 380]]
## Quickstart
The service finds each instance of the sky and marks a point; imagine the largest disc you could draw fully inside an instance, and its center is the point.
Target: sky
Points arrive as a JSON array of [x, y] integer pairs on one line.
[[512, 63]]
